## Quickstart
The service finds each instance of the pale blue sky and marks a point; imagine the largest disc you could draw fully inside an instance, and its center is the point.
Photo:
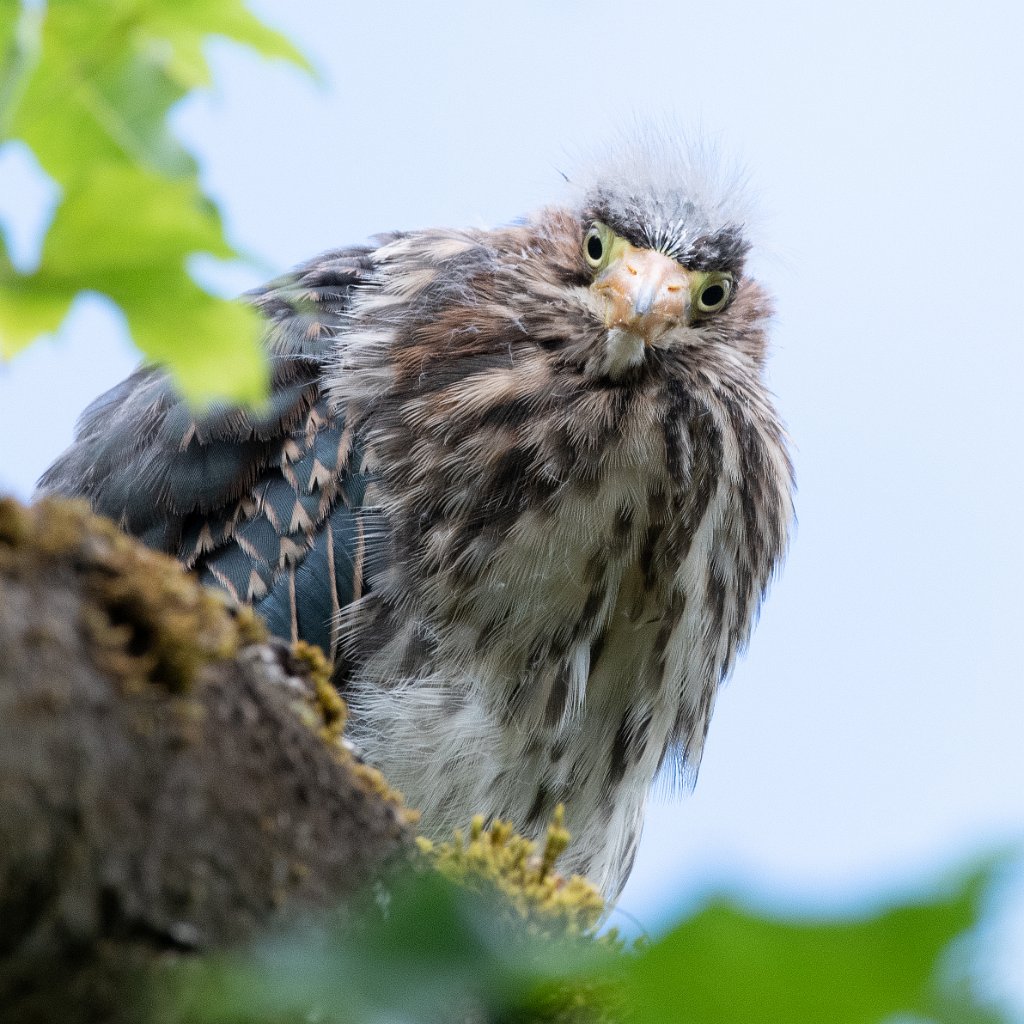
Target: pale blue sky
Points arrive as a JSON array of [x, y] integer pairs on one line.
[[873, 735]]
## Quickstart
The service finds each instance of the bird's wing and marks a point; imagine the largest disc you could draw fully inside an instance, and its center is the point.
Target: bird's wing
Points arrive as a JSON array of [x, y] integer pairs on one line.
[[260, 503]]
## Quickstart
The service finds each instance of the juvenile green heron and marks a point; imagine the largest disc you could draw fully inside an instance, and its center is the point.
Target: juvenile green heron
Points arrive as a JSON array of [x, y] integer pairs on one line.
[[526, 487]]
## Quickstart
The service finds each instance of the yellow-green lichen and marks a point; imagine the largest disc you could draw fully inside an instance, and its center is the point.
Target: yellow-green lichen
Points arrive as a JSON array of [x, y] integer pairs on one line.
[[523, 871], [147, 620], [15, 527], [374, 782], [331, 709], [251, 628], [326, 712]]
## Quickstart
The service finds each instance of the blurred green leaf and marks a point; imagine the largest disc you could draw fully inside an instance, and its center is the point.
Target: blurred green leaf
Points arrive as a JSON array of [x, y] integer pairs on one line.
[[169, 219], [10, 13], [437, 953], [90, 93], [726, 966], [212, 345], [440, 953], [19, 48], [192, 19]]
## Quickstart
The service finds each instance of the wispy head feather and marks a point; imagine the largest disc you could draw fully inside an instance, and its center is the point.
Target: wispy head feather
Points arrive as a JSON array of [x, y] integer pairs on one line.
[[664, 190]]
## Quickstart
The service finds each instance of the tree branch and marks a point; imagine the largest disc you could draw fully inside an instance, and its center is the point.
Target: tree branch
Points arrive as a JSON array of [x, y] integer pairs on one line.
[[169, 779]]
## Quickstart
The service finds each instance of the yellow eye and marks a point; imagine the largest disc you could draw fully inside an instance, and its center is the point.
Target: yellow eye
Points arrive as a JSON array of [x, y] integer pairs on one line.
[[712, 292], [597, 244]]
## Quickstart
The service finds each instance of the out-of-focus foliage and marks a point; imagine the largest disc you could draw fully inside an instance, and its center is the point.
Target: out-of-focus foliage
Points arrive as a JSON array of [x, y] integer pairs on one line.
[[724, 966], [432, 951], [87, 85]]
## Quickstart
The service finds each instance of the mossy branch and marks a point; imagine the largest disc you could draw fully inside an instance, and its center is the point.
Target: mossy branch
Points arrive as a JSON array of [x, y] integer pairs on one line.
[[170, 779]]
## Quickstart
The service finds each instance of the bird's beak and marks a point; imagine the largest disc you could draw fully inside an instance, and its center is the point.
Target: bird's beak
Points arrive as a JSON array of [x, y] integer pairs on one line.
[[644, 292]]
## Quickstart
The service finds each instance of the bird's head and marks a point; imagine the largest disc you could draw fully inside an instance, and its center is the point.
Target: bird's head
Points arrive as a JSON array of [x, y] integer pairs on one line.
[[639, 274], [652, 251]]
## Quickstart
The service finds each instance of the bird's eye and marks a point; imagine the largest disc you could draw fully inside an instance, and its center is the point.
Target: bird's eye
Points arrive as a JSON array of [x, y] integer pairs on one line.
[[596, 243], [713, 293]]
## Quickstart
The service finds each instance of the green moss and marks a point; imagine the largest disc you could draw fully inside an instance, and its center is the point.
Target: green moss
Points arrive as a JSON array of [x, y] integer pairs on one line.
[[147, 620], [330, 707], [545, 903], [326, 713], [251, 628], [15, 525], [374, 782], [523, 871]]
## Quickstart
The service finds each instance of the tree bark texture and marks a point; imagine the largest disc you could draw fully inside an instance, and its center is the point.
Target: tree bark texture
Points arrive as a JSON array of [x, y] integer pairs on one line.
[[170, 780]]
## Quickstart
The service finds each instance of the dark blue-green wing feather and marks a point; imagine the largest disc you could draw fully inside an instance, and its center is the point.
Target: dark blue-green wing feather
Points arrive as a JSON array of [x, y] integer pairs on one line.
[[263, 504]]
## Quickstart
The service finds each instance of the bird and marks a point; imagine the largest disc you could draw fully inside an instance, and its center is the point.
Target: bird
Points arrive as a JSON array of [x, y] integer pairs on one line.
[[526, 486]]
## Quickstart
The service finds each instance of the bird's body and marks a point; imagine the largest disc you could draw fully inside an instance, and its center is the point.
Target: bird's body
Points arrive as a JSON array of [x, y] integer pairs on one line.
[[529, 509]]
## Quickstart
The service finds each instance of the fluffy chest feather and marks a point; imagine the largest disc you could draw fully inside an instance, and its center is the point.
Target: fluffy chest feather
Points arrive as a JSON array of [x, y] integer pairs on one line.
[[570, 562], [544, 677]]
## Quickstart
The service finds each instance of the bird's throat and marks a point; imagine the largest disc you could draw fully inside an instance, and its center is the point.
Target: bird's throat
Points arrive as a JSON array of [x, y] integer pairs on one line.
[[623, 350]]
